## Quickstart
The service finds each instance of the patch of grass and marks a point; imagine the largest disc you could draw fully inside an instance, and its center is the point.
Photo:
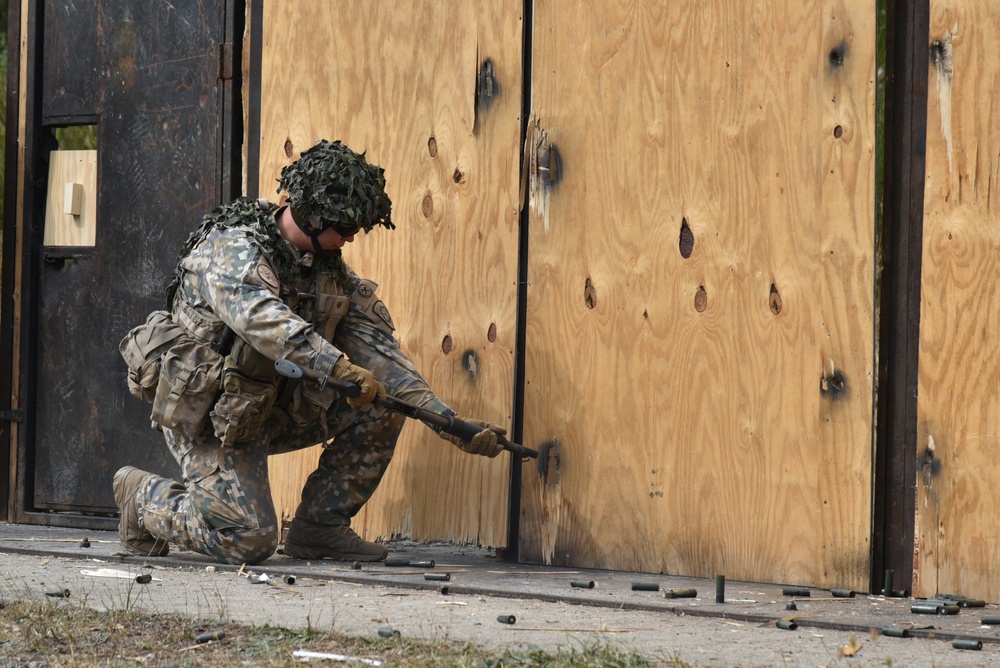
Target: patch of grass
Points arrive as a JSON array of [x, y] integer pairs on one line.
[[596, 656], [60, 632]]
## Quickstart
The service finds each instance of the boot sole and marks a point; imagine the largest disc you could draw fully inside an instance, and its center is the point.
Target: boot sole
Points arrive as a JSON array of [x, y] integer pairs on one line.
[[303, 552]]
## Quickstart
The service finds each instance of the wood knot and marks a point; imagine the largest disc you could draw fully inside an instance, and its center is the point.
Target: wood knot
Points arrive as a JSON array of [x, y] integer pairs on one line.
[[589, 293]]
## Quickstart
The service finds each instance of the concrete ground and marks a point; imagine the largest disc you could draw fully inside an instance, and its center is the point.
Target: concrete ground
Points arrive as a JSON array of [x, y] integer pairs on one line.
[[549, 612]]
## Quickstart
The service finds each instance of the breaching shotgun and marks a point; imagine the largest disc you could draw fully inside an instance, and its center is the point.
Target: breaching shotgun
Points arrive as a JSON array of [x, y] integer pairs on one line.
[[442, 423]]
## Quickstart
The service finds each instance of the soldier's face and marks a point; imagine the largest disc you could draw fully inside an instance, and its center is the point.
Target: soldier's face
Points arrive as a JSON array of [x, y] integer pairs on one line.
[[330, 239]]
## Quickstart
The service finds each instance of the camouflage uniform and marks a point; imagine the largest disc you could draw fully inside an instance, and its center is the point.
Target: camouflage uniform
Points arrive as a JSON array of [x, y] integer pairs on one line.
[[222, 507]]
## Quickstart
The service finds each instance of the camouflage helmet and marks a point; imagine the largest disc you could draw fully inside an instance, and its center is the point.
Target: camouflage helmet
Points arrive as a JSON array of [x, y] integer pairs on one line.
[[332, 186]]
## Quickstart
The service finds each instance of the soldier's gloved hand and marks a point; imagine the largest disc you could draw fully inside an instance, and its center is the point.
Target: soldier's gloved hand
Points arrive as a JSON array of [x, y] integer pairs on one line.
[[484, 443], [363, 378]]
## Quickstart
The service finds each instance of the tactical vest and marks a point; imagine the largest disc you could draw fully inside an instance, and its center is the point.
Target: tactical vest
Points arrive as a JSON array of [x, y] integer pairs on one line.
[[251, 390]]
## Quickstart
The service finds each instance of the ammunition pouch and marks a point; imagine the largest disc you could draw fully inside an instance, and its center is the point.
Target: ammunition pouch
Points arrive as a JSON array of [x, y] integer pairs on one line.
[[188, 387], [249, 390], [242, 409], [142, 349], [309, 404]]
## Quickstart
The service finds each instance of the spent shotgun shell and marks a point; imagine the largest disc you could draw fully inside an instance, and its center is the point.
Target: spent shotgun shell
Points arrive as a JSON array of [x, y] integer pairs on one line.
[[680, 593], [422, 564], [901, 593], [952, 609], [990, 620], [842, 593], [720, 588], [440, 577], [972, 603], [786, 624], [356, 565], [791, 606], [966, 643], [144, 578], [58, 593], [506, 619], [289, 579], [85, 542], [927, 609], [396, 562], [210, 636], [795, 591], [890, 575], [645, 586], [895, 632], [444, 590], [582, 584], [388, 632]]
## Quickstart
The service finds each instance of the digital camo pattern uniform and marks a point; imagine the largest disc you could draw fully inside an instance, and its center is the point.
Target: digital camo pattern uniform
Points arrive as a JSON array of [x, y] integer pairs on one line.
[[223, 506]]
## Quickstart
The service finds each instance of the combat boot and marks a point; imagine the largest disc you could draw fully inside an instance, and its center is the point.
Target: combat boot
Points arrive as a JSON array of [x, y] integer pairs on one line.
[[133, 536], [308, 540]]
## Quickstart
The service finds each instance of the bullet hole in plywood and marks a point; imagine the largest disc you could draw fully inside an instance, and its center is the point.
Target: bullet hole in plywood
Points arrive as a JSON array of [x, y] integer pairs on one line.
[[470, 362], [427, 206], [930, 464], [457, 176], [432, 147], [589, 293], [548, 462], [289, 147], [645, 314], [487, 90], [774, 300], [700, 299], [837, 54], [838, 132], [492, 333], [446, 344], [833, 385], [686, 240]]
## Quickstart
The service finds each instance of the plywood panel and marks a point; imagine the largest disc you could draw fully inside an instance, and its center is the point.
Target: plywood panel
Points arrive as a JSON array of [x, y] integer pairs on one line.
[[400, 82], [700, 313], [958, 513], [72, 188]]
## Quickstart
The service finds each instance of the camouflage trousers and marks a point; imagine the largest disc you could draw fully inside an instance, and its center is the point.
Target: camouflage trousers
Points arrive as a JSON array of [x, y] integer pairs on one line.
[[223, 507]]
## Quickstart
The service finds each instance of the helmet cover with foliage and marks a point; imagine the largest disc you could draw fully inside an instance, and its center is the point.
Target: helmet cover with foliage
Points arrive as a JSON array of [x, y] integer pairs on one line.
[[332, 186]]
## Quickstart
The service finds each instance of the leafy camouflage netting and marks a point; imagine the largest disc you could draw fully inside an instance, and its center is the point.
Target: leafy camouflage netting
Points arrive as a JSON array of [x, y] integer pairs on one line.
[[337, 185]]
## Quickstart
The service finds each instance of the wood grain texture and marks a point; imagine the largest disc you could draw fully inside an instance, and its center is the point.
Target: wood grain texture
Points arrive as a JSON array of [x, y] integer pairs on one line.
[[62, 229], [401, 83], [697, 431], [958, 513]]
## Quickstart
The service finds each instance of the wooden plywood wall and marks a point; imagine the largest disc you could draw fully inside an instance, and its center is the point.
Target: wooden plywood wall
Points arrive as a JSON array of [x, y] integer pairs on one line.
[[958, 530], [700, 311], [400, 82]]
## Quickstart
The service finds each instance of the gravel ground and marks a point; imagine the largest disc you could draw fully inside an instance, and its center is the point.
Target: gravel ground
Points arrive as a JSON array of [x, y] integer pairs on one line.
[[312, 598]]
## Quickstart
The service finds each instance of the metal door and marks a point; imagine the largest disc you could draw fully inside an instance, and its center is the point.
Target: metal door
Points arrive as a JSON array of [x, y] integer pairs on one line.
[[156, 80]]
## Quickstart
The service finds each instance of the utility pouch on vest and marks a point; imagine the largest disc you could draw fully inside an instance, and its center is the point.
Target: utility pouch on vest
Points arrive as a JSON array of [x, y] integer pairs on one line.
[[249, 390], [241, 410], [309, 404], [190, 378], [142, 349]]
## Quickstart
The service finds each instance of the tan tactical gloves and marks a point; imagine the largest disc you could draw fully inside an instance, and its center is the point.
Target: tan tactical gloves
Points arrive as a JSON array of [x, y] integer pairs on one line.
[[484, 443], [363, 378]]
